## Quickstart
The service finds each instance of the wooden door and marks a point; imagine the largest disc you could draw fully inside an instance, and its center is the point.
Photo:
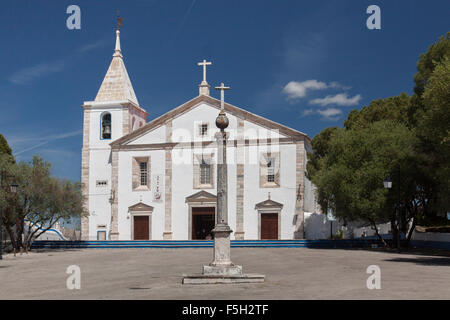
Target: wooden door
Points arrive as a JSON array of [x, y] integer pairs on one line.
[[269, 226], [141, 227]]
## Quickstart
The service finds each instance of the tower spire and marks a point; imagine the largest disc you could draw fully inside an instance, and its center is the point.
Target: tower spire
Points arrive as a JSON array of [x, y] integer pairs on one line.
[[116, 85], [117, 51]]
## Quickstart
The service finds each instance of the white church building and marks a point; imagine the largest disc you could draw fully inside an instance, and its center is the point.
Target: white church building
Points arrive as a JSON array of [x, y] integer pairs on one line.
[[157, 180]]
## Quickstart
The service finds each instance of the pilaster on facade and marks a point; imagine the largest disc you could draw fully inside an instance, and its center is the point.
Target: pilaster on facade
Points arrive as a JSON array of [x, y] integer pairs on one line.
[[126, 121], [115, 195], [85, 158], [167, 234], [300, 167]]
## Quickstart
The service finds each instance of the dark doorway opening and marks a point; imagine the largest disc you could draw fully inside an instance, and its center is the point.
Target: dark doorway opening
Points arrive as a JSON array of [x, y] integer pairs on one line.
[[203, 221]]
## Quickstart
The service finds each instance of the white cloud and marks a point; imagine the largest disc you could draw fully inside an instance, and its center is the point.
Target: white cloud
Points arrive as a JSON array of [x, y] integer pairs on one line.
[[341, 99], [295, 90], [330, 113], [337, 85], [27, 75], [308, 112]]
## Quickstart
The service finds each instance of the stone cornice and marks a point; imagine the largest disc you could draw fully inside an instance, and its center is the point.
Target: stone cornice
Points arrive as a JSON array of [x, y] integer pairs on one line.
[[204, 144], [112, 104]]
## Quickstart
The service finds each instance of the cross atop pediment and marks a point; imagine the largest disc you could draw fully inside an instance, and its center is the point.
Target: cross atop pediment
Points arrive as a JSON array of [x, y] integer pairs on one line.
[[204, 63], [204, 86]]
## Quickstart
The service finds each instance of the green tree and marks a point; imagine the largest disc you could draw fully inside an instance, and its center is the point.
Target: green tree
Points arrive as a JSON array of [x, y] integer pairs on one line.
[[320, 145], [41, 202], [394, 108], [4, 146], [428, 61], [405, 137], [350, 176], [6, 199], [433, 130]]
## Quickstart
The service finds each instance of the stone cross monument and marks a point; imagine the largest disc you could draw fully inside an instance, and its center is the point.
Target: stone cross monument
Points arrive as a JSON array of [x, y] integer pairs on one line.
[[221, 269]]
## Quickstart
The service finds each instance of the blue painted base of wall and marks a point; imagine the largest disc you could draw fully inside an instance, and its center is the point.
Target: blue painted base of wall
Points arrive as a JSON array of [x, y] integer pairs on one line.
[[326, 244]]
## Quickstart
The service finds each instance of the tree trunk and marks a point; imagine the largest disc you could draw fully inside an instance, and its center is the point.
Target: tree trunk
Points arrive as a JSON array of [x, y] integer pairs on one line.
[[394, 232], [12, 238], [19, 233], [378, 234], [411, 231]]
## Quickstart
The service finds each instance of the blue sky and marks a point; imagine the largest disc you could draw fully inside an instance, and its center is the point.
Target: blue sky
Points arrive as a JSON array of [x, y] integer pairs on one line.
[[304, 64]]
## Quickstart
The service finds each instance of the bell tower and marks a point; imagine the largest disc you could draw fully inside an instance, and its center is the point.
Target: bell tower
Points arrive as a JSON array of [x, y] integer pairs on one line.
[[114, 113]]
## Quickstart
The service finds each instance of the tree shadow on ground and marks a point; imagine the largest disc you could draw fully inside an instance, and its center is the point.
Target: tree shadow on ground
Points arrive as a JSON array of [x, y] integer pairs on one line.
[[53, 250], [410, 251], [427, 261]]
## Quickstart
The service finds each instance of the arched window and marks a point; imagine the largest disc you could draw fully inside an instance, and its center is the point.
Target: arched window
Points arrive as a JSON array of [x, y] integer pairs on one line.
[[106, 126]]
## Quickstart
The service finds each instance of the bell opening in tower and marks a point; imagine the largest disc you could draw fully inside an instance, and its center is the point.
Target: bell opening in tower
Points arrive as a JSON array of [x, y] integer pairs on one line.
[[106, 126]]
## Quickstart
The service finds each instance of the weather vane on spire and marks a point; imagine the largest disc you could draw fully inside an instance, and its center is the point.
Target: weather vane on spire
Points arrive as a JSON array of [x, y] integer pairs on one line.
[[119, 20]]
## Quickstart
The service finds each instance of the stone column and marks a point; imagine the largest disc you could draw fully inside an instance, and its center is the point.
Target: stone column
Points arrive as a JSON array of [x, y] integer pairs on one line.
[[222, 178], [222, 270], [240, 162], [222, 264]]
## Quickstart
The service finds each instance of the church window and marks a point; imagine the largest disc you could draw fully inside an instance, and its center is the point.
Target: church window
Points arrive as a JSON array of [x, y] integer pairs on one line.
[[269, 170], [203, 171], [141, 173], [106, 126], [203, 129]]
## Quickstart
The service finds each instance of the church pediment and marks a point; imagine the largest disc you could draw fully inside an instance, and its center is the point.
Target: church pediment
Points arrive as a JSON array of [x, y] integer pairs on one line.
[[210, 101], [140, 207], [268, 204], [202, 196]]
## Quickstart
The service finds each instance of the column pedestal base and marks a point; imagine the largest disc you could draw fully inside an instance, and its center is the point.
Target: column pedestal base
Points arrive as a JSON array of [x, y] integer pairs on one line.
[[223, 279], [222, 270]]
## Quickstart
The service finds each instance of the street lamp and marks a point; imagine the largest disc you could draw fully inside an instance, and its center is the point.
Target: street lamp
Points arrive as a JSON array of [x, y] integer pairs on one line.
[[13, 189], [388, 185]]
